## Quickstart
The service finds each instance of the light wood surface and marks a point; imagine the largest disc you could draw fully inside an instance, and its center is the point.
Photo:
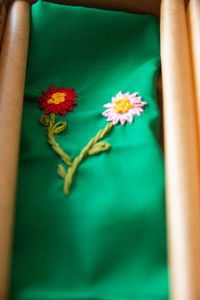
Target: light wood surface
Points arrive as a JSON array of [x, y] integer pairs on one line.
[[136, 6], [180, 76], [193, 25], [12, 79], [3, 15], [181, 154]]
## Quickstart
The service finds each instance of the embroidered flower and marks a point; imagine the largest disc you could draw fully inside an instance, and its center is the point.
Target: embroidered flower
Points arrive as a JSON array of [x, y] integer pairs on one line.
[[123, 107], [58, 100]]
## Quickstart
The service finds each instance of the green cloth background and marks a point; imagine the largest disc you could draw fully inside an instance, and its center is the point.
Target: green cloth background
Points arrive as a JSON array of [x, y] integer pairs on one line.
[[107, 239]]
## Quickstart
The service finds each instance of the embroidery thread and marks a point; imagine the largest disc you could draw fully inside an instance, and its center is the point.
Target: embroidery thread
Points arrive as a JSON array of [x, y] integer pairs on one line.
[[57, 101], [93, 147], [52, 130], [122, 109]]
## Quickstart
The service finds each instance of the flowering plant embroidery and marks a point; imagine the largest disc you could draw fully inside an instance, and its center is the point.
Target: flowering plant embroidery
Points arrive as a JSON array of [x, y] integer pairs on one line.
[[57, 101], [122, 109]]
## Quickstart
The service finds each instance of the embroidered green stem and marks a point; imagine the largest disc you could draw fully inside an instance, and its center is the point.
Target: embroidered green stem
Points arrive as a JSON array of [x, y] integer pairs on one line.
[[52, 130], [92, 148]]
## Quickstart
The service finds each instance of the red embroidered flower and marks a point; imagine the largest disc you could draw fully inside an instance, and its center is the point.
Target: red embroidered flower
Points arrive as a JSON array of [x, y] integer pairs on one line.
[[57, 101]]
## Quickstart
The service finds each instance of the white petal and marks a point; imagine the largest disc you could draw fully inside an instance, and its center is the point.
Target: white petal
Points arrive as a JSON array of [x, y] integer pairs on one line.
[[127, 95], [136, 110], [129, 118], [119, 95], [132, 111], [123, 119], [138, 100], [143, 103], [137, 104], [132, 100], [116, 119], [131, 97], [108, 105], [113, 114], [107, 112], [110, 118]]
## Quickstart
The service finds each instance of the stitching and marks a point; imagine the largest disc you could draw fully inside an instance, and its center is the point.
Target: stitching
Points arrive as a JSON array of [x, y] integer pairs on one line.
[[92, 148], [123, 107], [53, 130], [56, 101]]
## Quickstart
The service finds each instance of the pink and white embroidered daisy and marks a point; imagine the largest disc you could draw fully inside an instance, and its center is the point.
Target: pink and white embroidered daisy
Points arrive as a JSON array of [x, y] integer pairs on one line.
[[123, 107]]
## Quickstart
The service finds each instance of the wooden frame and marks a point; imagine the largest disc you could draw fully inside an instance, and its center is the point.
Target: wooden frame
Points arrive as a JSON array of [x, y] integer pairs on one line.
[[180, 39]]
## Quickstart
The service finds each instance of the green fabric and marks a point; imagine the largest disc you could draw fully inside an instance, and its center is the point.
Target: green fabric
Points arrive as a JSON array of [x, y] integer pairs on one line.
[[107, 239]]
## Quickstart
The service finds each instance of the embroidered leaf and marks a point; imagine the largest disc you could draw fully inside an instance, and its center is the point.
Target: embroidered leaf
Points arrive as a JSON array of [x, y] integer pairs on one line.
[[93, 147], [99, 147], [59, 127], [61, 171], [44, 120]]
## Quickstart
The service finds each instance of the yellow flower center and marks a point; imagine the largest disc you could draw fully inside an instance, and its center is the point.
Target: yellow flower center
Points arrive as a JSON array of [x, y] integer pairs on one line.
[[57, 98], [122, 105]]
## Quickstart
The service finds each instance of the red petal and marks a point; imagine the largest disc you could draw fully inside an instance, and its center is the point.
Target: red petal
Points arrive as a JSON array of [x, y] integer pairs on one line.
[[62, 110], [56, 110], [66, 105], [72, 102], [74, 95], [43, 105], [70, 99], [48, 110], [43, 99], [61, 89], [62, 107], [46, 93], [52, 89]]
